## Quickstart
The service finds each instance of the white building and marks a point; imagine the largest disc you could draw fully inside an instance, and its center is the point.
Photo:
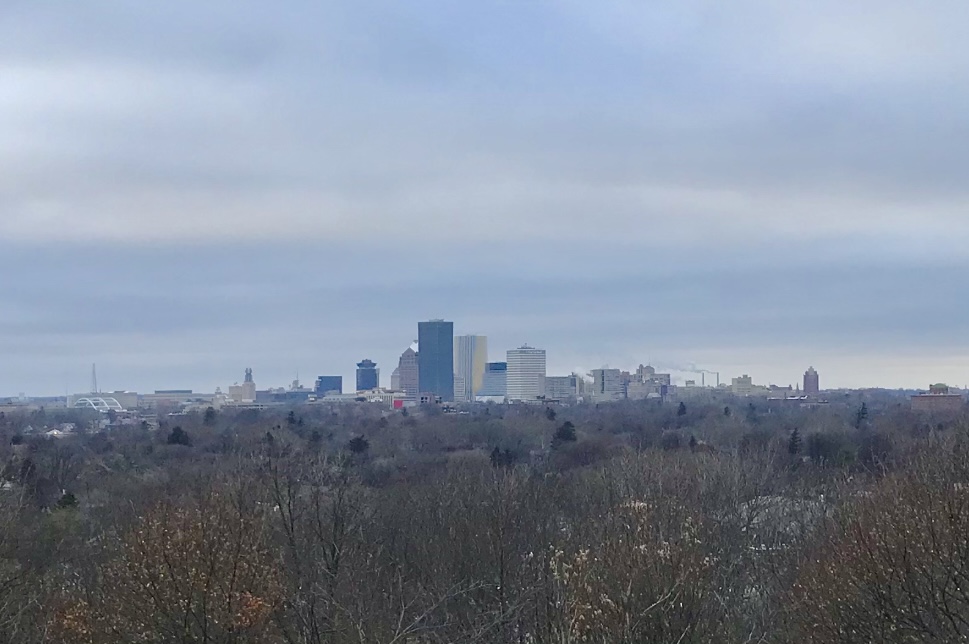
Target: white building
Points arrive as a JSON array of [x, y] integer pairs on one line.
[[526, 374], [470, 357]]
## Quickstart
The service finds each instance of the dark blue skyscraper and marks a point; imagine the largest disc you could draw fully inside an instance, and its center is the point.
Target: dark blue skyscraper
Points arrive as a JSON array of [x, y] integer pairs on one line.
[[435, 346], [368, 377]]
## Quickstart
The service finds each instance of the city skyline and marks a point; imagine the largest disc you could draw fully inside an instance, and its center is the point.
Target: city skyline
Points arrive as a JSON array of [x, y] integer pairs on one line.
[[751, 188]]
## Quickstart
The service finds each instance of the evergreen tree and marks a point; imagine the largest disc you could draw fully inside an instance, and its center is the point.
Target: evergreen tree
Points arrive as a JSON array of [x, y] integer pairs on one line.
[[794, 444], [179, 437], [861, 416], [726, 412], [681, 410], [565, 433], [358, 445], [209, 417]]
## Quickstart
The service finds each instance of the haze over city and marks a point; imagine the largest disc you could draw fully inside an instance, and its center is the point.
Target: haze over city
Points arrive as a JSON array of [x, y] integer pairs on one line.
[[189, 190]]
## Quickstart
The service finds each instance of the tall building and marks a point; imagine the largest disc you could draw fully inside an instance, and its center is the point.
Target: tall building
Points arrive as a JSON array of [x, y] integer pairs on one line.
[[494, 384], [368, 376], [470, 357], [526, 374], [607, 384], [435, 339], [811, 382], [246, 392], [328, 384], [408, 375]]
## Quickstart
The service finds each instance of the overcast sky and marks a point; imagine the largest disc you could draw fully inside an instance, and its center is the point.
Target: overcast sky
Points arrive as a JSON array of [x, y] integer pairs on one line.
[[188, 189]]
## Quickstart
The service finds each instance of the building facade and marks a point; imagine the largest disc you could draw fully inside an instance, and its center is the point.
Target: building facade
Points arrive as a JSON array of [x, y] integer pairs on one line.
[[408, 375], [564, 388], [495, 381], [435, 339], [246, 392], [526, 374], [368, 376], [811, 382], [938, 400], [607, 385], [470, 357], [328, 384]]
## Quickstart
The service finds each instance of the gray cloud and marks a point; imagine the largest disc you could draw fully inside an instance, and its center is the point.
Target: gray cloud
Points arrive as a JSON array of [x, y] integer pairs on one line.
[[185, 188]]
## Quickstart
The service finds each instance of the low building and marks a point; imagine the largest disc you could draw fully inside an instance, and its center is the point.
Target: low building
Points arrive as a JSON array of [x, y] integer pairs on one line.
[[938, 399]]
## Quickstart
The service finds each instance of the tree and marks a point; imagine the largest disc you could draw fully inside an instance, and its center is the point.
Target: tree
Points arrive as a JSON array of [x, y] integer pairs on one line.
[[358, 445], [681, 410], [291, 418], [209, 417], [861, 416], [671, 441], [67, 501], [794, 444], [550, 414], [693, 443], [194, 572], [726, 412], [565, 433], [179, 437]]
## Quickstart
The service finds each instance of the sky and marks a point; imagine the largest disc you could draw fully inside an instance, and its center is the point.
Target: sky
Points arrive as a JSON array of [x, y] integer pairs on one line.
[[189, 189]]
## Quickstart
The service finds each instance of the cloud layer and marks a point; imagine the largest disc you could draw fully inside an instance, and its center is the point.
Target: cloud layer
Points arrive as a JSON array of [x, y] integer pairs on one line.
[[185, 189]]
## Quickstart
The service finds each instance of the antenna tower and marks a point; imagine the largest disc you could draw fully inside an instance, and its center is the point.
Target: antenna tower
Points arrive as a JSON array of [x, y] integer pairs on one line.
[[94, 378]]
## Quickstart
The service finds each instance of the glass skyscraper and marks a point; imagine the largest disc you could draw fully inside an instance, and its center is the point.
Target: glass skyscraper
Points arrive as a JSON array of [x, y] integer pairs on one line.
[[368, 376], [435, 346]]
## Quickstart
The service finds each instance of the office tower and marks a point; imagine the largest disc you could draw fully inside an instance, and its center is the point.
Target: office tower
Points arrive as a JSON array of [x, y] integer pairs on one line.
[[435, 339], [564, 387], [607, 384], [409, 374], [526, 374], [328, 384], [494, 383], [368, 376], [470, 357], [811, 382]]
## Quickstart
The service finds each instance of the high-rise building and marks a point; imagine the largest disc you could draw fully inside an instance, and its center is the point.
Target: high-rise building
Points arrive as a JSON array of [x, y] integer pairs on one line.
[[470, 357], [811, 382], [526, 374], [607, 384], [328, 384], [495, 381], [435, 339], [409, 374], [368, 376]]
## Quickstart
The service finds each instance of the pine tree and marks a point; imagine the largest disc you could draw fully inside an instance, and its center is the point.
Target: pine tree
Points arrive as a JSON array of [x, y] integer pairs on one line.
[[681, 410], [794, 444]]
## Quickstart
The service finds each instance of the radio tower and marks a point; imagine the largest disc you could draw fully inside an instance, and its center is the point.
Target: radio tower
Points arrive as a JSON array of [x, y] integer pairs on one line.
[[94, 378]]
